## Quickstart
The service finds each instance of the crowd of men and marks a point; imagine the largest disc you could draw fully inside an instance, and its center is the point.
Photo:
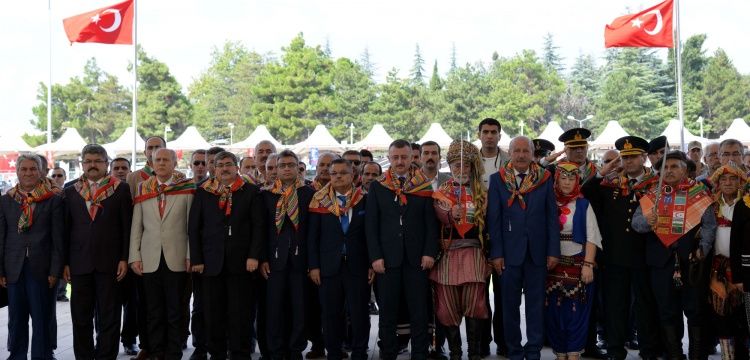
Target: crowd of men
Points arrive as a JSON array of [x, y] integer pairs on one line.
[[276, 263]]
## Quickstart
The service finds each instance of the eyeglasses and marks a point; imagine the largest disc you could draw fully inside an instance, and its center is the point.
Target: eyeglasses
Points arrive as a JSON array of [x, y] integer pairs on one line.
[[283, 165], [199, 162], [728, 154], [97, 162], [57, 175]]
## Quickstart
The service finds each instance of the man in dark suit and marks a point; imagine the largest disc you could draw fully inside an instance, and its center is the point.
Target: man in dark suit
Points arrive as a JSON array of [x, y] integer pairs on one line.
[[31, 257], [402, 242], [287, 203], [337, 255], [98, 211], [525, 242], [226, 230]]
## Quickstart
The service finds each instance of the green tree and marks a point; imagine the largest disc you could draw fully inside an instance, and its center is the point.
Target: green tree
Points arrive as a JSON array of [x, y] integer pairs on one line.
[[464, 100], [396, 107], [454, 62], [582, 86], [726, 95], [436, 84], [354, 93], [366, 63], [694, 61], [550, 55], [160, 98], [295, 94], [417, 70]]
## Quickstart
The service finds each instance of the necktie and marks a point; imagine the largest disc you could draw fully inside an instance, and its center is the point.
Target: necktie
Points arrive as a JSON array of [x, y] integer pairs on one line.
[[521, 177], [632, 182], [92, 195], [402, 181], [344, 219], [162, 200]]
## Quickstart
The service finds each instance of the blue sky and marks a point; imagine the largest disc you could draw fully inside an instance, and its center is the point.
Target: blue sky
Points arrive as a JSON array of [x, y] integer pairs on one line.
[[183, 33]]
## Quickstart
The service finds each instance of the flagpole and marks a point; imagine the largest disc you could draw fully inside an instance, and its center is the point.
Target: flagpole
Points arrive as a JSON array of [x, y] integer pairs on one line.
[[678, 63], [135, 79], [49, 83]]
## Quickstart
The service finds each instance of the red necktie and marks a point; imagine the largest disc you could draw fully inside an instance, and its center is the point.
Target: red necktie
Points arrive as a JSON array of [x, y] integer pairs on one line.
[[162, 200], [92, 195]]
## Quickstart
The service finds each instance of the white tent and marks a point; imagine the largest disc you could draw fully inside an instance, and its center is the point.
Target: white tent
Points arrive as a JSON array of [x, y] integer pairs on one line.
[[551, 133], [124, 143], [259, 134], [672, 132], [190, 139], [503, 144], [610, 134], [319, 139], [738, 130], [437, 134], [13, 143], [376, 139], [69, 143]]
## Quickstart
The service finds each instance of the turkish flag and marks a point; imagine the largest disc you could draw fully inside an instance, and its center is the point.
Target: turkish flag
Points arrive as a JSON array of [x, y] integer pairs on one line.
[[108, 25], [649, 28]]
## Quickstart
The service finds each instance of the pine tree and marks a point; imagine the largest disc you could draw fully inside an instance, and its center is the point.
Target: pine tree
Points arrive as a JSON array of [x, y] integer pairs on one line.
[[417, 70], [550, 57], [365, 61], [453, 58], [436, 84]]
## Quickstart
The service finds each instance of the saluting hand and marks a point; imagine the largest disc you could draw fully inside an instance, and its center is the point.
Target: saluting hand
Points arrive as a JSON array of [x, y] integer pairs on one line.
[[610, 166], [552, 157]]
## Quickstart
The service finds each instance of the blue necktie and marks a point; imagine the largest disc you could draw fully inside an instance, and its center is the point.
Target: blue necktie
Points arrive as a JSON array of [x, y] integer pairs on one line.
[[521, 177], [344, 220]]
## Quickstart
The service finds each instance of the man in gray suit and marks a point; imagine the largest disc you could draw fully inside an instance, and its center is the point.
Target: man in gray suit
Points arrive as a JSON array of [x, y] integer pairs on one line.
[[159, 250], [31, 257]]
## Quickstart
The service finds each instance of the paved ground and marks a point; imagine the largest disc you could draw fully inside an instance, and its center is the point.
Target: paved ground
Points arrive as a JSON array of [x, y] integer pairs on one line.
[[65, 338]]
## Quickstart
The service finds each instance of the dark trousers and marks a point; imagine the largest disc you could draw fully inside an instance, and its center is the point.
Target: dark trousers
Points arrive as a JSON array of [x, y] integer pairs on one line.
[[95, 293], [197, 321], [617, 287], [129, 301], [313, 316], [413, 283], [227, 314], [492, 327], [528, 279], [141, 307], [354, 291], [186, 293], [29, 297], [672, 301], [258, 314], [164, 291], [285, 291]]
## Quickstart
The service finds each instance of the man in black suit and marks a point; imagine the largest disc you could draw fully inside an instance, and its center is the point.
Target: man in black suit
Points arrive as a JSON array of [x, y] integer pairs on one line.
[[402, 243], [31, 257], [287, 203], [337, 255], [98, 211], [226, 230]]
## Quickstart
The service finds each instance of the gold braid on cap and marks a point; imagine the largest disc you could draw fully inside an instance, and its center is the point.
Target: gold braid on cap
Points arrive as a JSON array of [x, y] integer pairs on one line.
[[479, 195]]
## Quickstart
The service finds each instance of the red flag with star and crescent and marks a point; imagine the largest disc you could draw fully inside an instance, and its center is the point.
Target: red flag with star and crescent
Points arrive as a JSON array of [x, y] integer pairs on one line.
[[649, 28], [108, 25]]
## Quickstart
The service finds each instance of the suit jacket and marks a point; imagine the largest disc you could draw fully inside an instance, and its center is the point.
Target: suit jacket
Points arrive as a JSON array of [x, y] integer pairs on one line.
[[152, 235], [326, 240], [514, 232], [739, 244], [133, 179], [281, 244], [99, 244], [44, 240], [400, 234], [224, 243]]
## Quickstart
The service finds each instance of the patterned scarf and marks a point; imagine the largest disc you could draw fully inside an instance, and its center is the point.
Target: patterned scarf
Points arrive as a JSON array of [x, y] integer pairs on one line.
[[42, 191], [214, 186], [416, 184], [621, 182], [450, 192], [317, 184], [147, 172], [287, 205], [679, 209], [570, 169], [587, 171], [149, 189], [250, 180], [107, 187], [537, 175], [325, 201]]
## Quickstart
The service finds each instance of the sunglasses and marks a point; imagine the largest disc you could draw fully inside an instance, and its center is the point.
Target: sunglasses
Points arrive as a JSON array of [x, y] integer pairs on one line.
[[355, 162], [199, 162], [57, 175]]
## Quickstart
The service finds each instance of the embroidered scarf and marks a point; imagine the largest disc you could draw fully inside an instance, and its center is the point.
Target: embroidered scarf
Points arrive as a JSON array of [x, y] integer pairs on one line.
[[450, 192], [149, 189], [416, 184], [250, 180], [587, 171], [287, 205], [621, 182], [536, 177], [214, 186], [679, 209], [107, 187], [317, 184], [325, 201], [570, 169], [147, 172], [42, 191]]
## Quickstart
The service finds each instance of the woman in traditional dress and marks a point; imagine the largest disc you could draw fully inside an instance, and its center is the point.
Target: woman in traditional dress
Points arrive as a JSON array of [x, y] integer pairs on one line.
[[461, 272], [570, 285], [726, 283]]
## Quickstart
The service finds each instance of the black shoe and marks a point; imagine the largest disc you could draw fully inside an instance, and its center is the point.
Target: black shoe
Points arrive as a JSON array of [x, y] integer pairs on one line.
[[437, 355], [315, 354], [199, 354], [632, 345], [63, 298], [130, 349], [594, 353], [502, 351]]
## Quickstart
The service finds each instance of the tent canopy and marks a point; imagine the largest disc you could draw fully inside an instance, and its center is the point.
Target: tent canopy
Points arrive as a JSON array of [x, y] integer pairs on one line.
[[610, 134], [376, 139], [191, 139], [738, 130], [70, 142], [551, 133], [672, 132], [437, 134], [319, 139], [13, 143], [124, 143], [259, 134]]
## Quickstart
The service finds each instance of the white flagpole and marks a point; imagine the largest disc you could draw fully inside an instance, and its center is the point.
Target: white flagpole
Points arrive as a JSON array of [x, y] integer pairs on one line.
[[135, 79], [678, 64], [49, 83]]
